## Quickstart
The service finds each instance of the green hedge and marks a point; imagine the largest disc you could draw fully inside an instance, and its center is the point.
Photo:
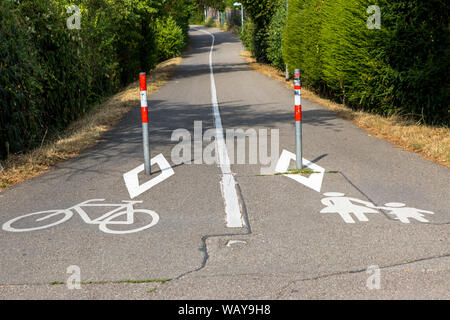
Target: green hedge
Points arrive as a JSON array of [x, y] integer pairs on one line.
[[256, 34], [169, 38], [401, 68], [50, 75], [275, 35]]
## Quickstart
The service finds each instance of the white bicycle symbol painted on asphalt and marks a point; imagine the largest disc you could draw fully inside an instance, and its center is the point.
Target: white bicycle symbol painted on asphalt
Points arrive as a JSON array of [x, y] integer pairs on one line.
[[123, 209]]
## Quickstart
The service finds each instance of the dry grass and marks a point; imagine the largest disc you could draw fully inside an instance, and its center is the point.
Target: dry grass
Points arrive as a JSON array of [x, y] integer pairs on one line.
[[433, 143], [82, 133]]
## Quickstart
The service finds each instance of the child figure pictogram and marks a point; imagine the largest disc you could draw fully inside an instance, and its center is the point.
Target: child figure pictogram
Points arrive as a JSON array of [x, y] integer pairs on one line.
[[403, 213]]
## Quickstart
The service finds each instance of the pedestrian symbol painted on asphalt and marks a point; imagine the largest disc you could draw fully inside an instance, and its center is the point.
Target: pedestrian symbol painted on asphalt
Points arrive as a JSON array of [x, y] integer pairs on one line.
[[337, 202], [403, 213]]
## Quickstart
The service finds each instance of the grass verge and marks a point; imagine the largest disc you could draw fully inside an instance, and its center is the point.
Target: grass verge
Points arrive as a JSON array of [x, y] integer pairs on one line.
[[433, 143], [304, 171], [82, 133]]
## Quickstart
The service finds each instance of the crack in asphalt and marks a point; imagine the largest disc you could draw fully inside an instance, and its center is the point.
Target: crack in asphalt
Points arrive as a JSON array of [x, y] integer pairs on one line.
[[204, 239], [293, 282], [382, 210], [204, 247]]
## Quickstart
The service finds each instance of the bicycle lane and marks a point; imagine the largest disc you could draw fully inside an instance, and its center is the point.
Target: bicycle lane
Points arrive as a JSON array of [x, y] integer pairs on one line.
[[189, 203]]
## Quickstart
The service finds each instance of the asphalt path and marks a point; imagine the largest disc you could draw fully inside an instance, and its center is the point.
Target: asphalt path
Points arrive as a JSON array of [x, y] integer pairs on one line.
[[286, 247]]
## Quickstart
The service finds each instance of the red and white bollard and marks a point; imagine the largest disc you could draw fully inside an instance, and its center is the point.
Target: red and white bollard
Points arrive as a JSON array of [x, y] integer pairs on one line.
[[144, 117], [298, 118]]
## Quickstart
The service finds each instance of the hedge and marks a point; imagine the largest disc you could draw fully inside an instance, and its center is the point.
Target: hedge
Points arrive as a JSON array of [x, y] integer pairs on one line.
[[401, 68], [50, 75]]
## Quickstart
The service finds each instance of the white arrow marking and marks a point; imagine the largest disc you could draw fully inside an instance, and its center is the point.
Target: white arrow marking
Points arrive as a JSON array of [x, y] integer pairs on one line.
[[314, 181], [132, 180]]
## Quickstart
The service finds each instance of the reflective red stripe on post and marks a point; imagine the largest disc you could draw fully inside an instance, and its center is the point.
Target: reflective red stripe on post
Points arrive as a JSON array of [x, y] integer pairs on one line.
[[144, 107], [144, 116], [298, 113], [298, 119], [298, 99]]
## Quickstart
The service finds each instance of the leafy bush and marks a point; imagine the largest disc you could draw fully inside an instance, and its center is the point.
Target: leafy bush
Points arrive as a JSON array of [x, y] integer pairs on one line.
[[169, 38], [414, 50], [50, 75], [247, 35], [210, 23], [20, 116], [254, 39], [60, 74], [260, 13], [198, 18], [301, 48], [275, 35], [400, 68]]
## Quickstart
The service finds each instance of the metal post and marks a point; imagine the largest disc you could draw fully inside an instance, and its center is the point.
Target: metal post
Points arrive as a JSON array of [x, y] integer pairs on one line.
[[287, 12], [242, 12], [298, 118], [144, 117]]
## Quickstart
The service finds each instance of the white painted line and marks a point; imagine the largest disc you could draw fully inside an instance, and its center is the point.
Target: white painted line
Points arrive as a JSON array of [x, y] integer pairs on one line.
[[228, 184], [132, 180], [314, 181]]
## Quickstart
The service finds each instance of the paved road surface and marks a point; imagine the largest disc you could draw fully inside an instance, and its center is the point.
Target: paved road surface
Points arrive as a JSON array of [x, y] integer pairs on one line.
[[289, 249]]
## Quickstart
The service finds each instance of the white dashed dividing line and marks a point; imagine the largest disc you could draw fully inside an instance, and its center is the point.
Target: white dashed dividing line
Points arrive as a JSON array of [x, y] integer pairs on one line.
[[228, 184]]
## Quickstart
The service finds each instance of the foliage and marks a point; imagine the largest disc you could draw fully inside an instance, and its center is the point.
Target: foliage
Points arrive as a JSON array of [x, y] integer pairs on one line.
[[414, 50], [275, 35], [19, 80], [248, 35], [260, 13], [301, 47], [49, 75], [169, 38], [398, 69], [210, 23]]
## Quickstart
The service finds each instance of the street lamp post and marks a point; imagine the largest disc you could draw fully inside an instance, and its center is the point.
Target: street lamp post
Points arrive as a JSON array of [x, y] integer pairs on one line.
[[237, 4]]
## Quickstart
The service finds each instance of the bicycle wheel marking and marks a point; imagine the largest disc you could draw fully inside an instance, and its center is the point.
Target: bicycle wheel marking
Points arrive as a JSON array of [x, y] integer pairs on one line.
[[104, 224], [8, 225]]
